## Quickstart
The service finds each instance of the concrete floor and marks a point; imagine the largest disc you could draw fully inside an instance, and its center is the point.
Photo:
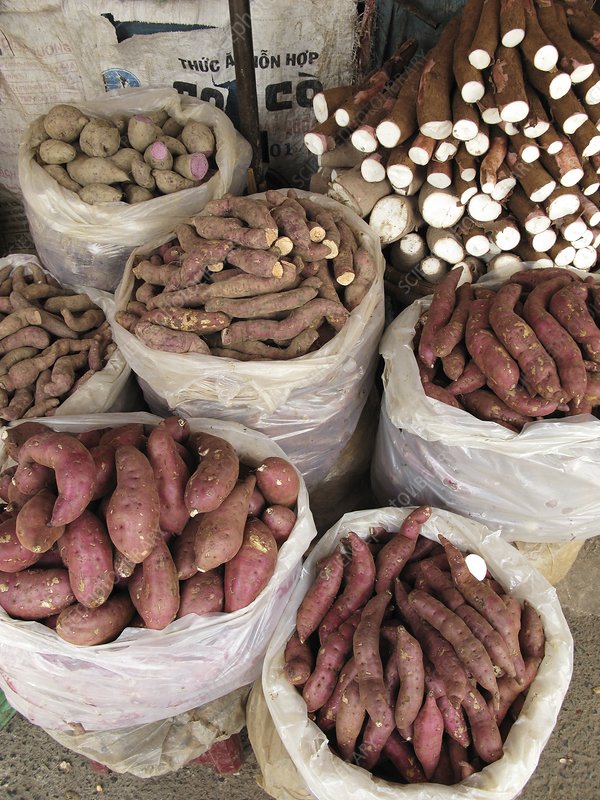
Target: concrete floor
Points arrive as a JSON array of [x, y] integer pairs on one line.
[[34, 767]]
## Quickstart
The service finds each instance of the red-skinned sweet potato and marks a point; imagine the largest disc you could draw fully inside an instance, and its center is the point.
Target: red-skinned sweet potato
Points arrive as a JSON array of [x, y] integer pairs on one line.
[[133, 511], [320, 595], [368, 660], [178, 428], [427, 736], [33, 524], [402, 756], [171, 475], [281, 521], [251, 568], [215, 476], [394, 555], [92, 626], [221, 532], [35, 593], [74, 470], [16, 436], [439, 313], [154, 588], [409, 660], [104, 459], [13, 556], [278, 481], [202, 593], [87, 552], [298, 659], [131, 434], [349, 721], [328, 712], [183, 549]]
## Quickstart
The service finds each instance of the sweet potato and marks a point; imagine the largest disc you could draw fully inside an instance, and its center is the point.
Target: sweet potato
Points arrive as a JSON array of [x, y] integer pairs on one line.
[[531, 636], [459, 760], [232, 230], [365, 272], [568, 306], [530, 278], [555, 338], [141, 131], [485, 405], [439, 313], [328, 712], [178, 428], [169, 181], [87, 170], [360, 581], [486, 351], [375, 735], [13, 556], [64, 122], [278, 481], [92, 626], [104, 460], [53, 151], [251, 568], [62, 177], [198, 137], [171, 475], [368, 660], [435, 647], [154, 587], [123, 567], [536, 365], [74, 471], [216, 474], [298, 661], [221, 531], [35, 593], [485, 600], [394, 555], [202, 593], [280, 520], [157, 337], [133, 511], [33, 527], [188, 319], [99, 137], [331, 657], [427, 736], [453, 365], [455, 723], [16, 436], [522, 402], [86, 551], [262, 306], [469, 649], [484, 730], [248, 210], [402, 757], [409, 661], [320, 595], [448, 336], [349, 721]]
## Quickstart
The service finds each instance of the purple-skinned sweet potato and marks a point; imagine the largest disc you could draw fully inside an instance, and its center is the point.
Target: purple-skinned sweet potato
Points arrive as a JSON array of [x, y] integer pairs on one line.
[[87, 552], [252, 567]]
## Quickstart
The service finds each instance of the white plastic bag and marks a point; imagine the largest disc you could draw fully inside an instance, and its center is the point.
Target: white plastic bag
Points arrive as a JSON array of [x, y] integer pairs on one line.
[[310, 405], [147, 675], [158, 748], [111, 389], [89, 244], [326, 775], [539, 485]]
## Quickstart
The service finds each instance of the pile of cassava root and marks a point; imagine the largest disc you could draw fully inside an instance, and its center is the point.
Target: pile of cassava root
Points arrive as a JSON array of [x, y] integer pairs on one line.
[[413, 667], [132, 159], [489, 145], [51, 342], [129, 526], [529, 350], [250, 279]]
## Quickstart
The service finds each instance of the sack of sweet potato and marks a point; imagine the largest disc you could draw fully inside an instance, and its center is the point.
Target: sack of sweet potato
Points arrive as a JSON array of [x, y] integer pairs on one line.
[[139, 556], [266, 310], [418, 649], [491, 403]]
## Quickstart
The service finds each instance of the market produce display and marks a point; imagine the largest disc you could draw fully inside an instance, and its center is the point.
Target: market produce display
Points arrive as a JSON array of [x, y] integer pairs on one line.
[[488, 147], [52, 340], [414, 668], [129, 158], [531, 349], [132, 526], [250, 279]]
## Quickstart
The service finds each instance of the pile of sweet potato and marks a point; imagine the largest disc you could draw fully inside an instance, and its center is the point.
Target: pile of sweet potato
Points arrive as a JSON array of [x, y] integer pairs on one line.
[[529, 350], [133, 158], [250, 279], [125, 526], [413, 667], [52, 340]]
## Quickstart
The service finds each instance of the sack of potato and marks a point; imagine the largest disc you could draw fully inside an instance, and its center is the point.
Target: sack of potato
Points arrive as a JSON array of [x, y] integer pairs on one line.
[[510, 437], [57, 355], [420, 655], [102, 177], [143, 564], [266, 310]]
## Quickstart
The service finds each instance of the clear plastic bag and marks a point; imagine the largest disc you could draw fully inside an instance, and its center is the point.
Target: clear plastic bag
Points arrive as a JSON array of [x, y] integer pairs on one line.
[[310, 405], [326, 775], [147, 675], [158, 748], [539, 485], [89, 244], [111, 389]]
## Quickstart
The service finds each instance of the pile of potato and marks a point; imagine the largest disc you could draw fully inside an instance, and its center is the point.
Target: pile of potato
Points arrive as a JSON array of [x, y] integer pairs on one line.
[[529, 350], [129, 526], [251, 279], [132, 158], [51, 342], [413, 667]]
